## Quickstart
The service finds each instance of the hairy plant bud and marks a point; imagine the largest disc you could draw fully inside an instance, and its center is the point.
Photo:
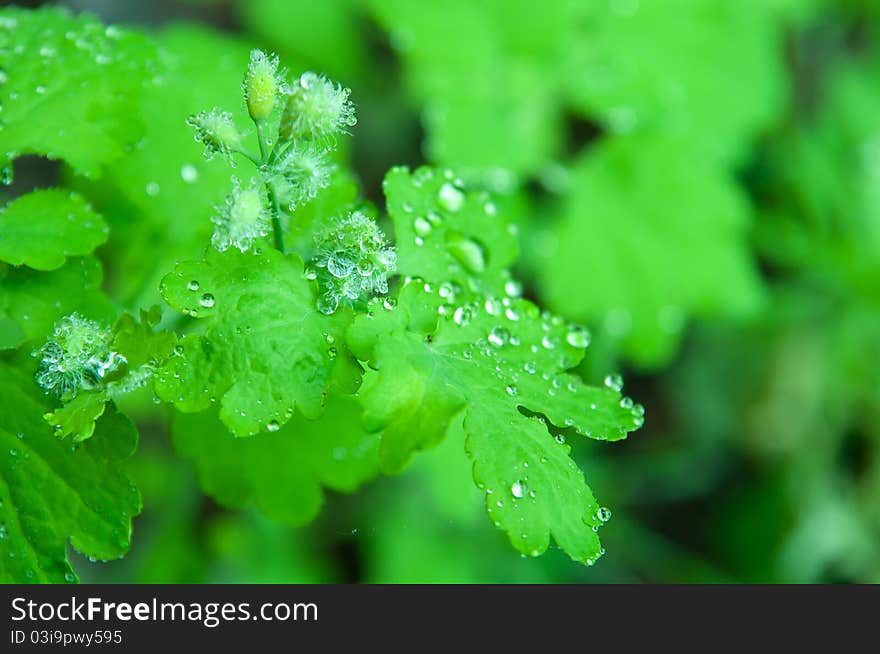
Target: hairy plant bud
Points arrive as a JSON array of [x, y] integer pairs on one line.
[[76, 357], [353, 261], [261, 85], [316, 109], [216, 131], [242, 219]]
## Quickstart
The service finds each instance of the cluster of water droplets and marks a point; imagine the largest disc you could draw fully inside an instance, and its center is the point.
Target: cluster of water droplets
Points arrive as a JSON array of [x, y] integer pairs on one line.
[[77, 356], [351, 263]]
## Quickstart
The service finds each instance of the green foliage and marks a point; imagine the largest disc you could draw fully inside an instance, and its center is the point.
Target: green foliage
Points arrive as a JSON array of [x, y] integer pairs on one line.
[[82, 495], [280, 471], [71, 87], [43, 228], [617, 227], [211, 259], [267, 349]]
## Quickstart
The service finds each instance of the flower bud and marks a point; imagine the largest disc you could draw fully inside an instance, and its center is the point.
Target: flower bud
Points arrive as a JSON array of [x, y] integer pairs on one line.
[[353, 262], [216, 131], [76, 357], [261, 85], [243, 219], [316, 109]]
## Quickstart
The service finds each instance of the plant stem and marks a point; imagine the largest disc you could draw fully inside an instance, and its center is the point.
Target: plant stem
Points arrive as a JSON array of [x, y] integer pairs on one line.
[[266, 158], [264, 155], [277, 229]]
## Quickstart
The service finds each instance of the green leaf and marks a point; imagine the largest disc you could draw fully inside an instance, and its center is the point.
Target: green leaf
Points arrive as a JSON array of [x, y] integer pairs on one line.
[[266, 349], [35, 300], [52, 491], [280, 472], [43, 228], [625, 256], [504, 364], [449, 349], [77, 418], [621, 69], [72, 87], [447, 234], [140, 342], [484, 71]]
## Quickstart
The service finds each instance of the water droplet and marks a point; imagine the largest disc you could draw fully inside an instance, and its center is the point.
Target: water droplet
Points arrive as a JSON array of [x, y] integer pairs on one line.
[[603, 514], [339, 265], [499, 336], [450, 198], [519, 489], [193, 285], [469, 253], [328, 303], [207, 300], [614, 382], [421, 226], [152, 189], [513, 288], [189, 173], [577, 337], [463, 315], [273, 425]]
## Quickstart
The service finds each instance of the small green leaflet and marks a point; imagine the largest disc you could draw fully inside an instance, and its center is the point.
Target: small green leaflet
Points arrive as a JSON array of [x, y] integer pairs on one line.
[[266, 349], [281, 472], [52, 491], [70, 87], [502, 363], [43, 228]]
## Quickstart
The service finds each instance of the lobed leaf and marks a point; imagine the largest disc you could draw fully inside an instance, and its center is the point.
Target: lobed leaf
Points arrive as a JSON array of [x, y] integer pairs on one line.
[[52, 491], [43, 228], [282, 471], [266, 349], [71, 87]]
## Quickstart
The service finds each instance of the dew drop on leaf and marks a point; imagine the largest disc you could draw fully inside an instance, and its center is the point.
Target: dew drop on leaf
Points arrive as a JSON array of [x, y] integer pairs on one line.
[[614, 382], [450, 198]]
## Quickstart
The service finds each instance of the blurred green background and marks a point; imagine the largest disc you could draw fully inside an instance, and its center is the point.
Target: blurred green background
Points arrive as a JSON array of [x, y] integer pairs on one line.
[[698, 181]]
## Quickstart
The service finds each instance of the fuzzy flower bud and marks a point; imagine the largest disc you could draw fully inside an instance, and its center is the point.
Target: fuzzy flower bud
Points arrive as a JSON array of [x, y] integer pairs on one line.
[[305, 171], [216, 131], [242, 219], [261, 85], [316, 109], [76, 357], [353, 262]]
